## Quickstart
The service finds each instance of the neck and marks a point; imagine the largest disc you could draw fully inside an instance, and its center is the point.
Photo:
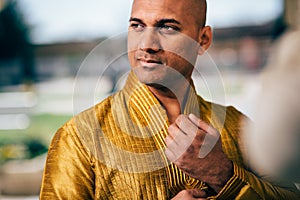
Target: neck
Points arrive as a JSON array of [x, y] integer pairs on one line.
[[173, 100]]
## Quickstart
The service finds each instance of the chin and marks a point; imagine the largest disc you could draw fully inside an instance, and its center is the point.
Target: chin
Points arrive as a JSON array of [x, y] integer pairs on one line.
[[150, 80], [150, 77]]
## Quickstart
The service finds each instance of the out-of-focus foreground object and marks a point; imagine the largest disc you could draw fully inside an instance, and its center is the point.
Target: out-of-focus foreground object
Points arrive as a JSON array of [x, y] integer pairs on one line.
[[274, 138]]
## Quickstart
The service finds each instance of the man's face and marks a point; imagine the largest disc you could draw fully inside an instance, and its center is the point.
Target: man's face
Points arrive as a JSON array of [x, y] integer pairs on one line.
[[163, 37]]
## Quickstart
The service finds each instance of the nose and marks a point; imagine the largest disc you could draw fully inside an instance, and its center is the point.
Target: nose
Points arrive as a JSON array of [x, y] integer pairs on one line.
[[150, 41]]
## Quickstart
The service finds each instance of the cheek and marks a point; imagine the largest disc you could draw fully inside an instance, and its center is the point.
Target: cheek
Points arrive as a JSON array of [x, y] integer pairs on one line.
[[131, 58], [131, 44], [132, 41], [183, 50], [132, 47]]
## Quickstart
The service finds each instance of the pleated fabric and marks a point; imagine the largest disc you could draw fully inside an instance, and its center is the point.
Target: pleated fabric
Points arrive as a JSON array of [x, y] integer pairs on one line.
[[115, 150]]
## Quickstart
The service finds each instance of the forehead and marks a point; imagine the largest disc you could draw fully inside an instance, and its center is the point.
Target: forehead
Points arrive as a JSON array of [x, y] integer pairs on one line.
[[181, 10]]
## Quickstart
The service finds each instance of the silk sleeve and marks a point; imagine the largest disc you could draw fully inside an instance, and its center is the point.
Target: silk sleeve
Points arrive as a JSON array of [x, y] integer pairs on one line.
[[68, 172], [245, 185]]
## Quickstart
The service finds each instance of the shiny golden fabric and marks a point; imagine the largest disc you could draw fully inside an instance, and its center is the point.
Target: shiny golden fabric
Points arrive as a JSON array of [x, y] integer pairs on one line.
[[115, 151]]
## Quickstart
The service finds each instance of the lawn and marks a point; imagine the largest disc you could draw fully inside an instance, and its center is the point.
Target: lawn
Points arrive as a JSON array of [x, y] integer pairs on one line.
[[33, 141]]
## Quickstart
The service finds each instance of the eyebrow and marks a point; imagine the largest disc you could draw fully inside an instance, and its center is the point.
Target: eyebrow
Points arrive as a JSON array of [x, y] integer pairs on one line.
[[165, 21], [136, 20], [158, 23]]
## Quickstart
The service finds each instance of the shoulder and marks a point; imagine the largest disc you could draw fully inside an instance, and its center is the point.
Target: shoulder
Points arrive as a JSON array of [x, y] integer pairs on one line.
[[220, 112], [85, 126], [93, 115]]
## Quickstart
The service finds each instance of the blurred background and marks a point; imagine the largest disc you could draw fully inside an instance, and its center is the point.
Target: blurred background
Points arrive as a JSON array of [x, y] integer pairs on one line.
[[44, 43]]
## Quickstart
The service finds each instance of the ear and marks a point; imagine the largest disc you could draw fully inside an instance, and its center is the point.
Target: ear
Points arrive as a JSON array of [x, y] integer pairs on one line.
[[205, 39]]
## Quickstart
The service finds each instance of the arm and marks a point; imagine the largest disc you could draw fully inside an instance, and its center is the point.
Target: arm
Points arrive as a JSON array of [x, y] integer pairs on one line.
[[195, 147], [68, 173], [245, 185], [212, 166]]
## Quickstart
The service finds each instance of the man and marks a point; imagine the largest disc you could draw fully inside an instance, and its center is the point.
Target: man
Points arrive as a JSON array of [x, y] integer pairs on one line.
[[155, 139]]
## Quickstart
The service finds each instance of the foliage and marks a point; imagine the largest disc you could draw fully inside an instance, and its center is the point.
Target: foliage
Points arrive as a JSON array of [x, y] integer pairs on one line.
[[31, 142], [14, 32]]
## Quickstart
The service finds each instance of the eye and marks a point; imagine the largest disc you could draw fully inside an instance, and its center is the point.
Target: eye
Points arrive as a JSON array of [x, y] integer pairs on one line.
[[137, 27], [167, 29]]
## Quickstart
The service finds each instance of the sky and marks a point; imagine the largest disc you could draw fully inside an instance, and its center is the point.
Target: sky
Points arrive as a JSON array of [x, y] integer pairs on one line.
[[69, 20]]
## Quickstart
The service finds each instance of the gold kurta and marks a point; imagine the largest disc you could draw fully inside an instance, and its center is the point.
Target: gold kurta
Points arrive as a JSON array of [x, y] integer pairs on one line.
[[115, 150]]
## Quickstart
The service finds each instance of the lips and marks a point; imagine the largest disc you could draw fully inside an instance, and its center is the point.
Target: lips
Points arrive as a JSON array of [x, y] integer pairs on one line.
[[149, 62], [144, 60]]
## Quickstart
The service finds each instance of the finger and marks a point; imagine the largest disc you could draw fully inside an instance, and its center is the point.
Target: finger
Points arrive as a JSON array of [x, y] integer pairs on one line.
[[170, 155], [173, 155], [203, 125], [211, 138], [173, 131], [190, 194], [179, 137], [184, 194], [168, 140], [198, 122], [187, 126], [176, 148], [197, 193]]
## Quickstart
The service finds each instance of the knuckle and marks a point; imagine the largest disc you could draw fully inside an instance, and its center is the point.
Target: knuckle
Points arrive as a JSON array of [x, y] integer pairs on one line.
[[180, 118], [184, 192], [172, 128], [168, 140]]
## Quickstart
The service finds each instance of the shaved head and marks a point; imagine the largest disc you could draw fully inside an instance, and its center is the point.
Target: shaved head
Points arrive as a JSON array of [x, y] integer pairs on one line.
[[195, 8], [201, 11]]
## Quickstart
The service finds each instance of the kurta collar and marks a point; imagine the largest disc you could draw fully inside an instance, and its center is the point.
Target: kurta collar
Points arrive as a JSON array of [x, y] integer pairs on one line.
[[139, 97]]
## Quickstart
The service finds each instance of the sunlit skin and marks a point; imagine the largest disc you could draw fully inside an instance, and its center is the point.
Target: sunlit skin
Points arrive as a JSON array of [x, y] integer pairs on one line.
[[164, 36], [168, 35], [190, 195]]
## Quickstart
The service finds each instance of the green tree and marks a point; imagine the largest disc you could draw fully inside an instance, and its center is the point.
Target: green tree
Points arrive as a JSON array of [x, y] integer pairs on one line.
[[15, 40]]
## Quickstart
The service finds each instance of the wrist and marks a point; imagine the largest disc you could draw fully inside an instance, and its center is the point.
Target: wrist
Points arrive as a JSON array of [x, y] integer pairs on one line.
[[225, 174]]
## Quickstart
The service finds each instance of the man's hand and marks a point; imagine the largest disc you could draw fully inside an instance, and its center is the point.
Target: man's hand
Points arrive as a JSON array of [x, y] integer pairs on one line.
[[196, 148], [190, 195]]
